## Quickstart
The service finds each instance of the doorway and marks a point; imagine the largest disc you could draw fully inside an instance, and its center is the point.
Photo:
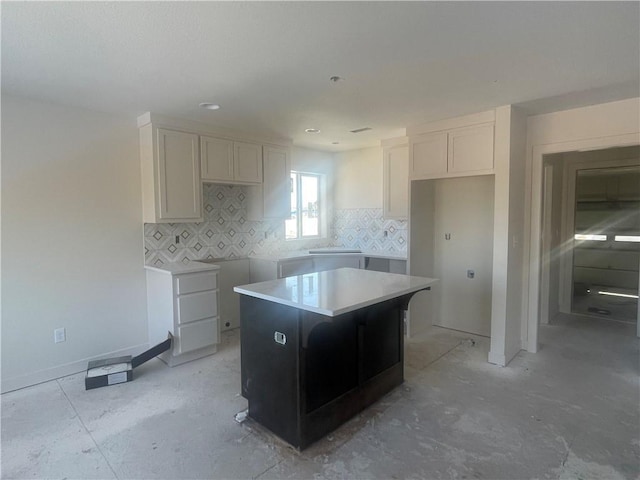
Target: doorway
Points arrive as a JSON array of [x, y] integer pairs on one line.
[[591, 234], [606, 243]]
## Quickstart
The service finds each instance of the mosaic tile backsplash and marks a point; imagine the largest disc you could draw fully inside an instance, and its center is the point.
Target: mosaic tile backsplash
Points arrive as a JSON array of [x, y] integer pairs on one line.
[[226, 232], [366, 229]]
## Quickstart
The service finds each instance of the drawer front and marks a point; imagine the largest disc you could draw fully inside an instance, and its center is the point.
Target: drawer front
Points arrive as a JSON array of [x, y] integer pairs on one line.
[[196, 282], [198, 335], [197, 306]]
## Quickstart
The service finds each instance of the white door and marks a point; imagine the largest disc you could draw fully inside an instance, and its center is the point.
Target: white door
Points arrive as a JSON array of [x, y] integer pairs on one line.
[[179, 176], [247, 162], [463, 252], [217, 159]]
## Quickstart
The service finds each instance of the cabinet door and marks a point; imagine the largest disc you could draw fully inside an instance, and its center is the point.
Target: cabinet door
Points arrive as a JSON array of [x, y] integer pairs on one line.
[[331, 262], [179, 189], [471, 149], [289, 268], [428, 155], [247, 162], [276, 183], [396, 182], [216, 156]]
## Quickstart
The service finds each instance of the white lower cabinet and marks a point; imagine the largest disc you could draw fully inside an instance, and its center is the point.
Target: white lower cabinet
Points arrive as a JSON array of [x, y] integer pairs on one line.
[[185, 304], [263, 269]]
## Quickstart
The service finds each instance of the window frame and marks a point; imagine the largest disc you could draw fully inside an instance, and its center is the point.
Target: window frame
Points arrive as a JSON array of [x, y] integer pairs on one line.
[[321, 205]]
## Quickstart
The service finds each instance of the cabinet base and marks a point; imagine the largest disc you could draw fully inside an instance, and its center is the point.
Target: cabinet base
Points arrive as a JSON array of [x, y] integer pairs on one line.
[[172, 360]]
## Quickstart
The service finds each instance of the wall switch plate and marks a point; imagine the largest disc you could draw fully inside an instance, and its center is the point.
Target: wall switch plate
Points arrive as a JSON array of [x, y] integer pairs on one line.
[[59, 335]]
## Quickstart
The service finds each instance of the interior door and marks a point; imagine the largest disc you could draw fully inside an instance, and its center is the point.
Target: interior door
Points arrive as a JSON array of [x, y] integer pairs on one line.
[[463, 253]]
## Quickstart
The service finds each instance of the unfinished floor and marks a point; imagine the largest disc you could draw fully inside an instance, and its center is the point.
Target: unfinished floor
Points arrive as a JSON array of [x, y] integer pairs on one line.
[[570, 411]]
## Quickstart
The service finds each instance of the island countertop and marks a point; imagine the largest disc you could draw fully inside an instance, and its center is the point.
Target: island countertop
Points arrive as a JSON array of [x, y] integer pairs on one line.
[[335, 292]]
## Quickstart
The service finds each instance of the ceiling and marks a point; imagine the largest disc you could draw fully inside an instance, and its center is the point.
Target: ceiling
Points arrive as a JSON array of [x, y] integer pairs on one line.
[[268, 64]]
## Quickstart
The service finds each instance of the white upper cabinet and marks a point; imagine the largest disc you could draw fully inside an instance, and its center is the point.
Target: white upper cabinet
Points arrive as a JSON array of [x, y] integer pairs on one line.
[[226, 161], [396, 181], [428, 155], [453, 153], [470, 149], [171, 186], [272, 199], [276, 183], [247, 162], [216, 156]]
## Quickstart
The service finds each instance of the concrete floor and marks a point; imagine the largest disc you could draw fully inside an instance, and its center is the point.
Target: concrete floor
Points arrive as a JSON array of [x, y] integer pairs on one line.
[[567, 412]]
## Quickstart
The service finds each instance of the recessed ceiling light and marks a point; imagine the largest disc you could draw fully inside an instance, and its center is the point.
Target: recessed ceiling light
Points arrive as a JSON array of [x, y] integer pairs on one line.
[[359, 130], [312, 130], [335, 143], [210, 106]]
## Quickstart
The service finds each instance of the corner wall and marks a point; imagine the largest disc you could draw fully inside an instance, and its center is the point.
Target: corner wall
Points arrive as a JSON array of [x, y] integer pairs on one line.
[[71, 240]]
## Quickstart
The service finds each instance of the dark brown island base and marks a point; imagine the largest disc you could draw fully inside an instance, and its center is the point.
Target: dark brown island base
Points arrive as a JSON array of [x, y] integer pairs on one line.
[[317, 349]]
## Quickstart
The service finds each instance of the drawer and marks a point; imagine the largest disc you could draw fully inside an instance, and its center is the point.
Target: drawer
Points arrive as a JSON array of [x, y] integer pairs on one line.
[[197, 306], [198, 335], [196, 282]]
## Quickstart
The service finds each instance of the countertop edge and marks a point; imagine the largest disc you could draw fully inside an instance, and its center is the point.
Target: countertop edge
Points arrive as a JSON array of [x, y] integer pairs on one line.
[[305, 254], [424, 285], [180, 268]]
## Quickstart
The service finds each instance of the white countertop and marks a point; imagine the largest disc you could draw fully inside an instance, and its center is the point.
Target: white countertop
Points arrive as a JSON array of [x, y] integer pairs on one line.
[[176, 268], [335, 292], [296, 254]]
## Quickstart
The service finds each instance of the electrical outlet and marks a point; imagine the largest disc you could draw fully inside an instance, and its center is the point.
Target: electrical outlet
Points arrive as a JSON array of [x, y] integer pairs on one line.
[[59, 335]]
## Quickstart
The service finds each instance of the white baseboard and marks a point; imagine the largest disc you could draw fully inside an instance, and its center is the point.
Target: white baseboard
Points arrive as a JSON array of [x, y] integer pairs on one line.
[[29, 379]]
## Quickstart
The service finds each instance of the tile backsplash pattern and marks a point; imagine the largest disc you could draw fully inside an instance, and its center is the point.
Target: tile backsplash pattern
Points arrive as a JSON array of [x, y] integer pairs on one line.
[[225, 232], [367, 229]]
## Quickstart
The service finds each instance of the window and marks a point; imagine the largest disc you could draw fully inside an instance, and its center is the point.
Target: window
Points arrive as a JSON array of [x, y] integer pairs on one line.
[[305, 206]]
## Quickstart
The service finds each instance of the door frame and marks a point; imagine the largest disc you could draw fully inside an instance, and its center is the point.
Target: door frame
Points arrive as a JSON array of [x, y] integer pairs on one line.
[[546, 234], [535, 251]]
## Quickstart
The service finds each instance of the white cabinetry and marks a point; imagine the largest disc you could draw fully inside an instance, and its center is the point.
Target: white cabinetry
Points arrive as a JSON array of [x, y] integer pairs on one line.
[[185, 304], [396, 181], [272, 199], [171, 186], [226, 161], [457, 152]]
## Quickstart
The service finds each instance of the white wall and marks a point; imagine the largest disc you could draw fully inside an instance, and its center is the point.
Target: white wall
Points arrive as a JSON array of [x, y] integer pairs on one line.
[[598, 126], [509, 166], [358, 176], [72, 234]]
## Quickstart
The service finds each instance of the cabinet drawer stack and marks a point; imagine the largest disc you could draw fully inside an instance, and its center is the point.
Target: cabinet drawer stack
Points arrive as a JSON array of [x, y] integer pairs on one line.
[[187, 305]]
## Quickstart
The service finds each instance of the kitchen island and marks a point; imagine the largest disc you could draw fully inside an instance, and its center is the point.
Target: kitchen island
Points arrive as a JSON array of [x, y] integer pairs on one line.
[[318, 348]]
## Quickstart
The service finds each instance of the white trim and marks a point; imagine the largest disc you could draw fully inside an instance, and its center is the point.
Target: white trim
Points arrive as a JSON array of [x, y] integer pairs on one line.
[[450, 123], [40, 376], [190, 126], [394, 142], [547, 186]]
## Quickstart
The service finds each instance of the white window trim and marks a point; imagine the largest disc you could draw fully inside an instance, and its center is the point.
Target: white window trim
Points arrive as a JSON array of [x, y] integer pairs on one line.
[[323, 211]]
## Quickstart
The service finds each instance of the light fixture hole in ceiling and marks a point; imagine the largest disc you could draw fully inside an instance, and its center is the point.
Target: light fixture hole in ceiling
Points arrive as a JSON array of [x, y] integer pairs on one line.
[[312, 130], [336, 79], [210, 106], [359, 130]]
